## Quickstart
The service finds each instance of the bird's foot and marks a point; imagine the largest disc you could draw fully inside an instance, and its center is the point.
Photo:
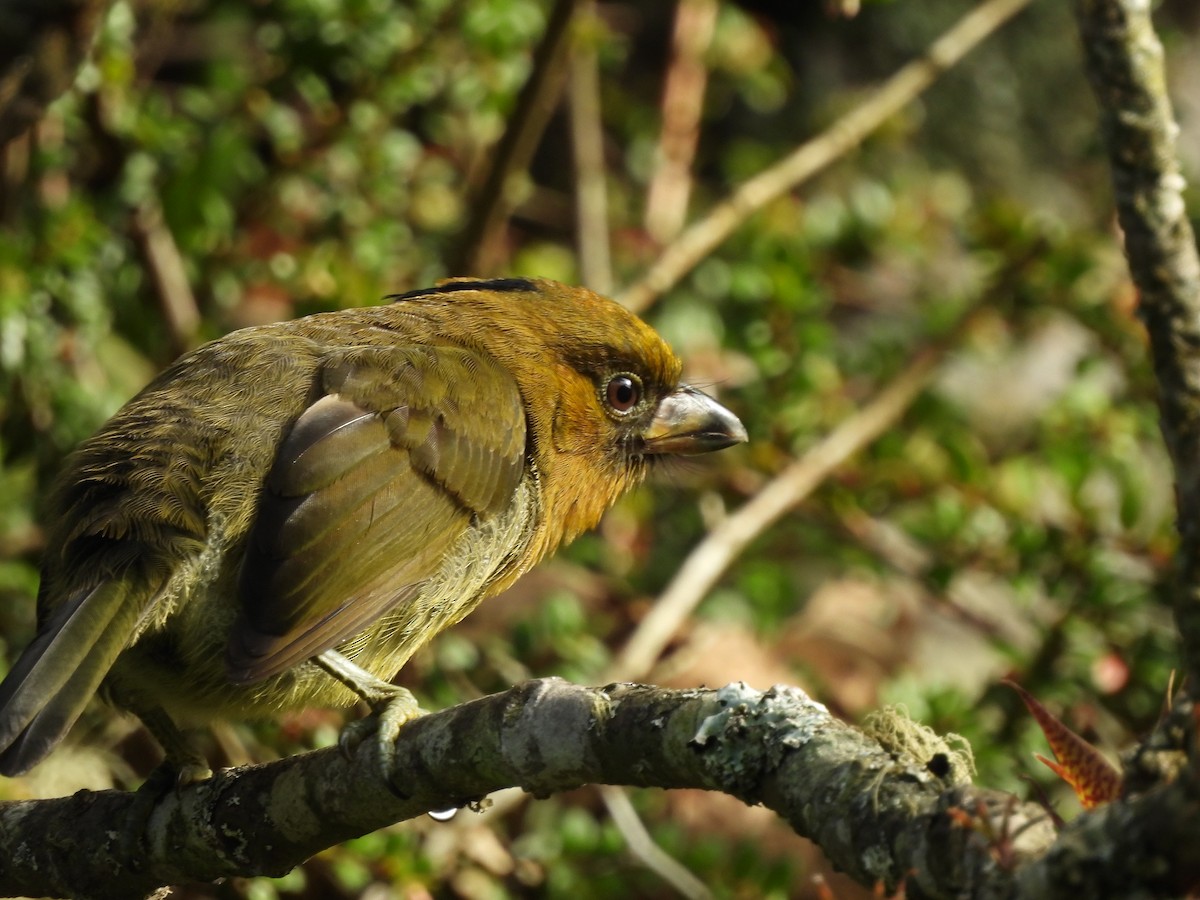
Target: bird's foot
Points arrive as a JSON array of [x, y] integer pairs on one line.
[[172, 774], [384, 723], [388, 715], [392, 707], [182, 765]]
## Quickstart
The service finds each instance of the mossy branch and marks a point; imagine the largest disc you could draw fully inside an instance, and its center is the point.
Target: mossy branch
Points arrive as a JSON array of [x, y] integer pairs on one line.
[[879, 812]]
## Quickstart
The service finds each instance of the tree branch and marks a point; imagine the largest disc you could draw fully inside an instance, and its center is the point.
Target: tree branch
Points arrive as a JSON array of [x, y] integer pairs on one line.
[[682, 110], [587, 150], [709, 560], [168, 274], [787, 489], [700, 239], [493, 203], [880, 814], [1125, 66]]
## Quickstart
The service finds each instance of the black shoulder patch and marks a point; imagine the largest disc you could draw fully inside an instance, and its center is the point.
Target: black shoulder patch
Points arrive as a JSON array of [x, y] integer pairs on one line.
[[502, 285]]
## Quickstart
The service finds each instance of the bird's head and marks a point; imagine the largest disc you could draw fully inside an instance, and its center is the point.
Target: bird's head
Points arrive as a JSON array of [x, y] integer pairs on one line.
[[602, 390]]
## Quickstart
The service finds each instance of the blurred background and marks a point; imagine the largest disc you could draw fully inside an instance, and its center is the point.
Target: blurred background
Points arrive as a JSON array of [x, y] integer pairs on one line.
[[219, 164]]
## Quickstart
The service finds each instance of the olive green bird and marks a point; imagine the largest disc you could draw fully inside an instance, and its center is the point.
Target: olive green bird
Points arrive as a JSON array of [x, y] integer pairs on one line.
[[285, 515]]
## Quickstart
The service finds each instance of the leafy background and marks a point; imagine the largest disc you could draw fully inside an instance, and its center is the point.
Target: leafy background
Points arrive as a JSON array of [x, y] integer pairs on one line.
[[303, 155]]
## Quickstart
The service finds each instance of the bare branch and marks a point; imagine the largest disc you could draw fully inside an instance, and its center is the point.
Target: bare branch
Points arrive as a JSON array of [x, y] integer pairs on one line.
[[641, 844], [587, 144], [698, 241], [710, 558], [168, 273], [494, 201], [682, 106]]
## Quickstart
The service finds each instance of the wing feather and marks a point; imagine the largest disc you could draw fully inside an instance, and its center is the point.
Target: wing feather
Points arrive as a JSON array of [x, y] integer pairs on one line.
[[58, 673], [374, 483]]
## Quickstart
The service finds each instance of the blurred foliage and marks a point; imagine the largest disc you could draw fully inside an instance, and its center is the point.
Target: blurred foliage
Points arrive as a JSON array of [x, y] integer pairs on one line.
[[312, 154]]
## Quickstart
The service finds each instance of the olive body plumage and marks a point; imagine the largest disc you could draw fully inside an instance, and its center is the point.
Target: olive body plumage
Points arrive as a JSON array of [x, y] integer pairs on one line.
[[353, 481]]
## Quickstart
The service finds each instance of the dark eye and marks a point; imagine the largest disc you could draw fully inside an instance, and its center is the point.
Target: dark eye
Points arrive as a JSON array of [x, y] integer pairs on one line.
[[623, 393]]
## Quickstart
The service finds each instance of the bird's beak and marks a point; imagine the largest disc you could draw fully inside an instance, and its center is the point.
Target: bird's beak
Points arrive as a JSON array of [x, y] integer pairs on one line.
[[689, 422]]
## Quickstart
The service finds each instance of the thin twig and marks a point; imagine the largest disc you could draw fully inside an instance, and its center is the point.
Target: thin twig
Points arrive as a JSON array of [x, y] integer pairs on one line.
[[703, 237], [494, 202], [168, 273], [713, 555], [682, 106], [648, 853], [587, 144]]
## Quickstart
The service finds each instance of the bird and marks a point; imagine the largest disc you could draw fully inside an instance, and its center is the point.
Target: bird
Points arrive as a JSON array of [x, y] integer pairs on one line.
[[284, 515]]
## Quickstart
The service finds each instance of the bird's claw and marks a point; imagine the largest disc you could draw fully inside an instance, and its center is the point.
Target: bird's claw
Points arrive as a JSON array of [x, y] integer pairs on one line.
[[192, 772], [390, 713], [172, 774]]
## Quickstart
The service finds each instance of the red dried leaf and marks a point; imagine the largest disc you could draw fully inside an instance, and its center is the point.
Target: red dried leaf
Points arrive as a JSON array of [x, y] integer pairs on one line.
[[1089, 773]]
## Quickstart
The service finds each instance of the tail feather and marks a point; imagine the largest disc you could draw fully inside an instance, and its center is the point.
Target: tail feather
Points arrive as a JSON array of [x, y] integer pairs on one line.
[[53, 680]]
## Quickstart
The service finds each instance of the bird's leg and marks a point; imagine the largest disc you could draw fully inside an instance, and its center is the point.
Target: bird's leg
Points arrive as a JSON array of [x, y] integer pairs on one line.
[[392, 708], [182, 765]]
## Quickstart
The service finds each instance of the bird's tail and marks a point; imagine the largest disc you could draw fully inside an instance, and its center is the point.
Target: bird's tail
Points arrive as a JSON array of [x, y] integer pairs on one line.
[[53, 680]]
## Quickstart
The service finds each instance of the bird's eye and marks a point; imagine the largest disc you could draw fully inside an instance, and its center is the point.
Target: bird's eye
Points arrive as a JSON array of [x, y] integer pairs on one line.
[[623, 393]]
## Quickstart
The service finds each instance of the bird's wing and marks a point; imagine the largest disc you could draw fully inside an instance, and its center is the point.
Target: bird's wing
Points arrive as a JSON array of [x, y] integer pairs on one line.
[[399, 451]]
